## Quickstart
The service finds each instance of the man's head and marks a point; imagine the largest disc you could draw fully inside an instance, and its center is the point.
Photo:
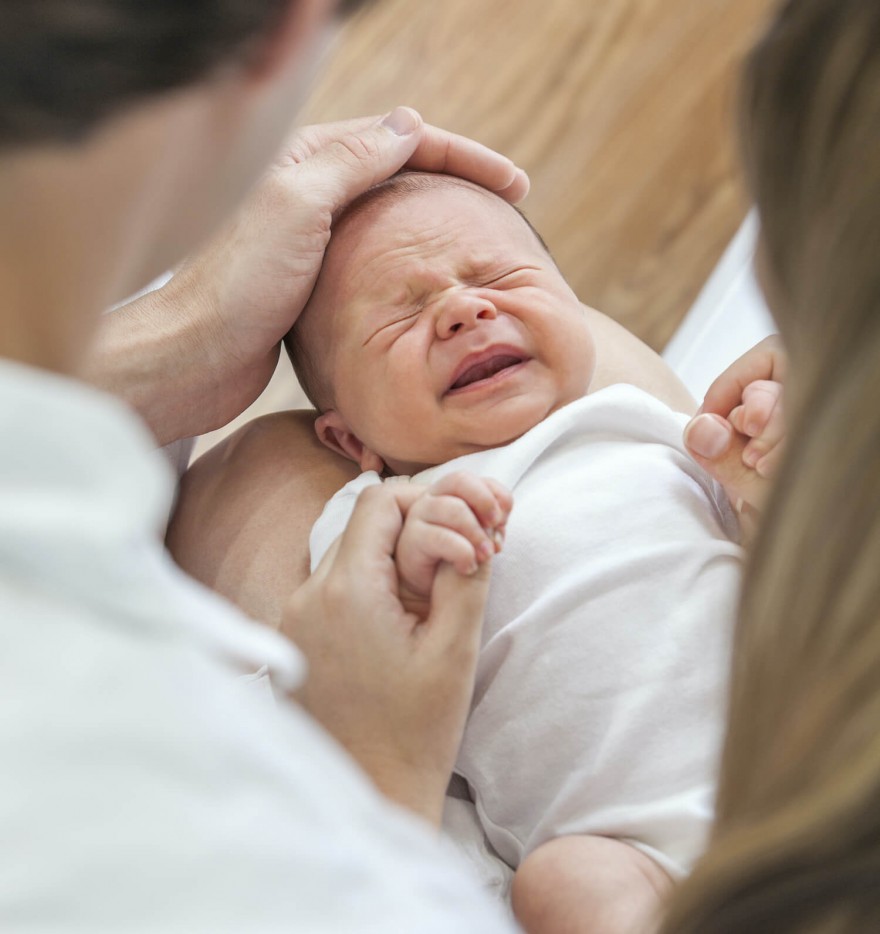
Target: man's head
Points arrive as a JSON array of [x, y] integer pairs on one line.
[[160, 114], [65, 67], [440, 325]]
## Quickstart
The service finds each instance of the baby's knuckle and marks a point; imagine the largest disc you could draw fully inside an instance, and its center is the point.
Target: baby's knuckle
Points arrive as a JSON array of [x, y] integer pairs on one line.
[[462, 478]]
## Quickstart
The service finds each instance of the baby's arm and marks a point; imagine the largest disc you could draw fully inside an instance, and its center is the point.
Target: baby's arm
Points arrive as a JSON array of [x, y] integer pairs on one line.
[[589, 884], [460, 520]]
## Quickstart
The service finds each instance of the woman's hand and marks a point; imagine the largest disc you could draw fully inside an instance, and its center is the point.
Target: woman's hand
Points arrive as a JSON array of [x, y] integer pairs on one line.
[[394, 690], [738, 434], [196, 354]]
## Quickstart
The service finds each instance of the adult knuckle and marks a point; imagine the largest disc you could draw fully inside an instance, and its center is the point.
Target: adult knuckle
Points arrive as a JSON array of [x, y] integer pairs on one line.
[[374, 495], [336, 591], [363, 150]]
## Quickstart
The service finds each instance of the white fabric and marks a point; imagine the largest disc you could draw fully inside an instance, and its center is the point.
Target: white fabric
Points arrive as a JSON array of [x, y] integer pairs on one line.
[[600, 688], [142, 788]]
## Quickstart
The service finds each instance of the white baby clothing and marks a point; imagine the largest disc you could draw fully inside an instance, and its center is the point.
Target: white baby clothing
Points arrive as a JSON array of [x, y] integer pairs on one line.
[[142, 788], [600, 691]]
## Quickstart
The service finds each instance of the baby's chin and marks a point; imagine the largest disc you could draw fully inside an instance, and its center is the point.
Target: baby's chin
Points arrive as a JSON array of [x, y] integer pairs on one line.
[[495, 431]]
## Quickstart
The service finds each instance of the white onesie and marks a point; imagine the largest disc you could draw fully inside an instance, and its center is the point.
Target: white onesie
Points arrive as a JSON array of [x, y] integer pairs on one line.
[[601, 683]]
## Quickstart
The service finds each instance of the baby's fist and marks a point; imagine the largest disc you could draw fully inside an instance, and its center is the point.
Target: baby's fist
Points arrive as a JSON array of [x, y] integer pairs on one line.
[[459, 520], [759, 417]]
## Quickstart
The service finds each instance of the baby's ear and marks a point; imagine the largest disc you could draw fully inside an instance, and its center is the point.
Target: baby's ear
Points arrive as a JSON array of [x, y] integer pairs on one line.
[[333, 431]]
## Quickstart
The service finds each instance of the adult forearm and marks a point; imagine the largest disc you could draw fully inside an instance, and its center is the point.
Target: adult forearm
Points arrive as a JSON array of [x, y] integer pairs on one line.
[[151, 355]]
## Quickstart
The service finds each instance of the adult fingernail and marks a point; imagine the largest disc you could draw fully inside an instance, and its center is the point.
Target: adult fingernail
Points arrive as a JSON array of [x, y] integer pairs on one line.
[[402, 121], [707, 436]]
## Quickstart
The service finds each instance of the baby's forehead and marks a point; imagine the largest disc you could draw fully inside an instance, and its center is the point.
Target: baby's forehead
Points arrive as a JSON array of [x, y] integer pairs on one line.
[[421, 210]]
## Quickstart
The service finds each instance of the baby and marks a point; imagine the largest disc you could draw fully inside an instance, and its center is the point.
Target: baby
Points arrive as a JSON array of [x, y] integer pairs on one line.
[[442, 344]]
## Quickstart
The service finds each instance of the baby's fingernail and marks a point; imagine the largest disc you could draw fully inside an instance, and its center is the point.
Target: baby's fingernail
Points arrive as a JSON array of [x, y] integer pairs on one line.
[[707, 436], [498, 539], [401, 121], [751, 456], [473, 569], [486, 550]]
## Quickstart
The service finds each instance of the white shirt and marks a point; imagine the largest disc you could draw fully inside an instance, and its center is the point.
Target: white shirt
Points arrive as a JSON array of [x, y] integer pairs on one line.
[[142, 788], [601, 685]]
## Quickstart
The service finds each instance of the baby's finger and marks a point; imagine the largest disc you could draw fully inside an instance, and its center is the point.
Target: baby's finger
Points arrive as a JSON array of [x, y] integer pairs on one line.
[[770, 436], [444, 544], [503, 496], [737, 419], [766, 361], [760, 400], [453, 513], [477, 493]]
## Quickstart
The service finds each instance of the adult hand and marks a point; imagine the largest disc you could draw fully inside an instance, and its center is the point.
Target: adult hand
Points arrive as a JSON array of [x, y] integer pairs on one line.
[[227, 309], [737, 436], [393, 689]]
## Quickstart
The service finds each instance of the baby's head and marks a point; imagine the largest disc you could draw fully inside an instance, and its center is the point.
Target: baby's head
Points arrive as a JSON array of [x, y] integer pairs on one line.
[[439, 326]]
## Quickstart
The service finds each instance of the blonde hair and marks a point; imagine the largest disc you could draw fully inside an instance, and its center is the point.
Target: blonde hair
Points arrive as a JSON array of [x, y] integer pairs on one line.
[[796, 846]]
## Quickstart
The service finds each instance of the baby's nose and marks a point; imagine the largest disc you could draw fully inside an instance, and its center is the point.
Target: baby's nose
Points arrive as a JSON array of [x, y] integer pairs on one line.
[[461, 311]]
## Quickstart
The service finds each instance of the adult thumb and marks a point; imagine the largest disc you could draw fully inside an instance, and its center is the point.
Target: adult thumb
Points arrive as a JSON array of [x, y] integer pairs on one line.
[[359, 158], [458, 606], [714, 444]]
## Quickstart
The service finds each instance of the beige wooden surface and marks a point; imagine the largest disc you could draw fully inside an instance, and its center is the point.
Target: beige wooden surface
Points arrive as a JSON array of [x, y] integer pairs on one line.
[[622, 111]]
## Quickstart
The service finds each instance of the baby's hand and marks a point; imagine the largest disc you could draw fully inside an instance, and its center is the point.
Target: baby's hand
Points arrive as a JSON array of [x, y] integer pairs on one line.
[[738, 434], [460, 520], [759, 418]]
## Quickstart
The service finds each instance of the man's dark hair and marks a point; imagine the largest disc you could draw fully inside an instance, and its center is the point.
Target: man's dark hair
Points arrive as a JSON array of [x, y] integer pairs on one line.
[[67, 65]]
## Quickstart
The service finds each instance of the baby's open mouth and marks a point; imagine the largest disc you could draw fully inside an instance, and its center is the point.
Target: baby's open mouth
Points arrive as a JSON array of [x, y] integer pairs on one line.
[[483, 369]]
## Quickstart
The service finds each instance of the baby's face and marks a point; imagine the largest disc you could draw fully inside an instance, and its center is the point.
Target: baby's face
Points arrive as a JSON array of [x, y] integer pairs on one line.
[[447, 329]]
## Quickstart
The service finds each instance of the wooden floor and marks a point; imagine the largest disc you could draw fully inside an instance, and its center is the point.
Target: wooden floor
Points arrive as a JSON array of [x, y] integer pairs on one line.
[[622, 112]]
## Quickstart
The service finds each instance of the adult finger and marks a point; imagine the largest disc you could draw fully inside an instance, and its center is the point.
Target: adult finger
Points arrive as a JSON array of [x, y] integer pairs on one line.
[[376, 522], [357, 159], [441, 151], [765, 361], [437, 150], [718, 449], [768, 465], [458, 604]]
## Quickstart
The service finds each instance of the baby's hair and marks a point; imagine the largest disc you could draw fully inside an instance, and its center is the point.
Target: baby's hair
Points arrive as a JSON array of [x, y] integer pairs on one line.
[[313, 382]]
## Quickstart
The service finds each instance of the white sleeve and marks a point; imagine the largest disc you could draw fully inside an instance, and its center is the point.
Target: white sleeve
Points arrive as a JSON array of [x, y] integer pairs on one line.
[[146, 792], [333, 520]]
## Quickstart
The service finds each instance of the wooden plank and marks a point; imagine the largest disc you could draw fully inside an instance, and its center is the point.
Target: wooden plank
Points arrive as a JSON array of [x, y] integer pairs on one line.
[[622, 111]]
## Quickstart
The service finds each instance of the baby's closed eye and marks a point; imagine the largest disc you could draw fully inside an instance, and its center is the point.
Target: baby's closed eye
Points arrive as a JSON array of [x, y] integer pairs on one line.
[[510, 278], [394, 319]]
